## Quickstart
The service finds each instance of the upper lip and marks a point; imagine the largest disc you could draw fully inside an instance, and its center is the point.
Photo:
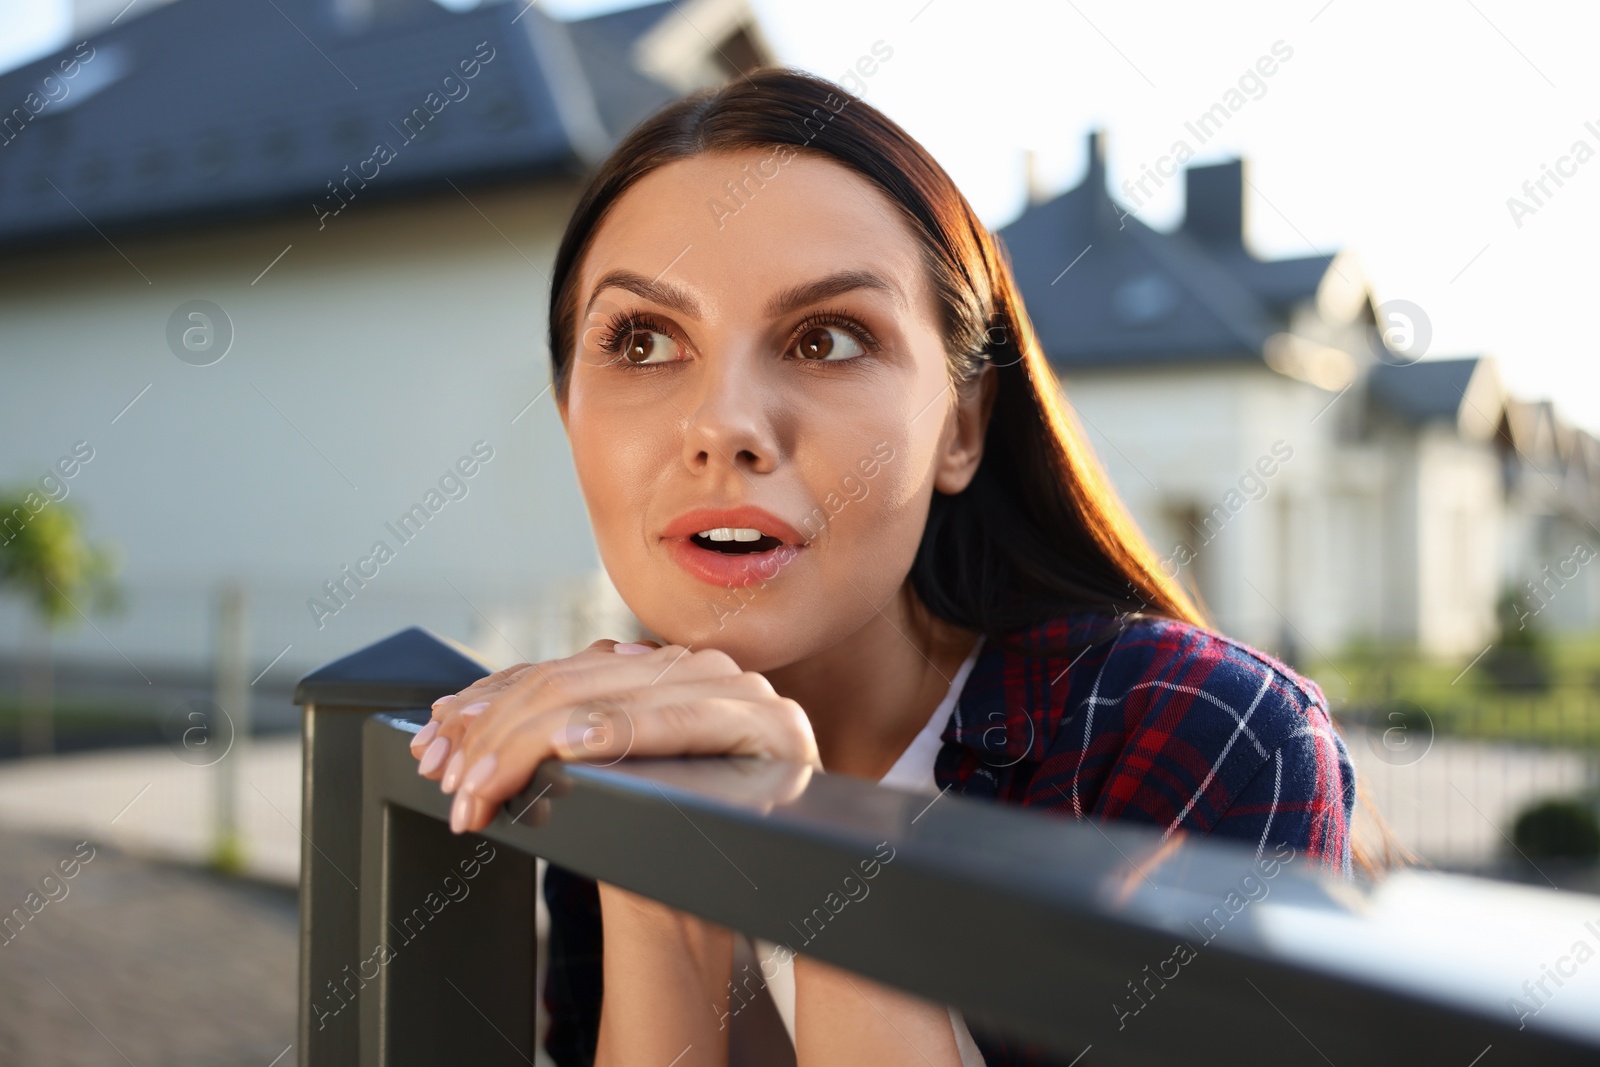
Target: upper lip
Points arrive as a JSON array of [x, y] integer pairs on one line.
[[743, 517]]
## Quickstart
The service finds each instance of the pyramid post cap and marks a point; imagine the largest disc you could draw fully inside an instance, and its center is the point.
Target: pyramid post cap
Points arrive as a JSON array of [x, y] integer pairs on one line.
[[410, 668]]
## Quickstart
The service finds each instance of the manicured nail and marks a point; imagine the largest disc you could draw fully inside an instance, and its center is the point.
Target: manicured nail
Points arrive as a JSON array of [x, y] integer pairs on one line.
[[425, 734], [479, 774], [632, 648], [452, 773], [459, 812], [474, 709], [434, 756], [441, 700]]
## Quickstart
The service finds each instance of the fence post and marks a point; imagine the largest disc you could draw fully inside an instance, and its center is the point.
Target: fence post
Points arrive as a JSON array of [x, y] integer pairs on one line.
[[232, 695], [447, 929], [407, 671]]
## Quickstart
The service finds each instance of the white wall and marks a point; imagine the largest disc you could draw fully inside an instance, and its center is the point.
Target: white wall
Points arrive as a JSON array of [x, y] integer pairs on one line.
[[1395, 537], [1194, 435], [1461, 524], [392, 341]]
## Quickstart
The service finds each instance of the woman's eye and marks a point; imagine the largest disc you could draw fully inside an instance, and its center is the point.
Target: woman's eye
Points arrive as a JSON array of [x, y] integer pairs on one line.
[[647, 346], [828, 343]]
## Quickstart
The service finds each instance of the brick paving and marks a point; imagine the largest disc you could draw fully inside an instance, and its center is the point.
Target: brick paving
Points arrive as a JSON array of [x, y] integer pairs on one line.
[[133, 961]]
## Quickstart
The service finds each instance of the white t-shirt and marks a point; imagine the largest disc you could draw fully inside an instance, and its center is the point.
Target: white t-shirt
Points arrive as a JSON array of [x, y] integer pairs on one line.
[[912, 772]]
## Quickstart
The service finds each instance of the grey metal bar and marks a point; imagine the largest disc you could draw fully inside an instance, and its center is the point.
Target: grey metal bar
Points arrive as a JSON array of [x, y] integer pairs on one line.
[[447, 929], [1061, 931], [410, 669], [1074, 934], [330, 900]]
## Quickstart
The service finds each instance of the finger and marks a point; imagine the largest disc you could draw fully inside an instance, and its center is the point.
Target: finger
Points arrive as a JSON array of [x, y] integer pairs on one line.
[[529, 675], [423, 746], [681, 721], [564, 684], [443, 738], [471, 813], [453, 715], [577, 708], [434, 746], [488, 684], [419, 740], [654, 721], [437, 742], [609, 645]]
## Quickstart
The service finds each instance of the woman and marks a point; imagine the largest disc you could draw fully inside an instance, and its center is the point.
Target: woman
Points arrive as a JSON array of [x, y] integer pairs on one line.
[[827, 463]]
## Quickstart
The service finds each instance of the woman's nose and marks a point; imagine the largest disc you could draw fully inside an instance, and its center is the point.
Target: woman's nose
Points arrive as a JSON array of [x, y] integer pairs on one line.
[[730, 424]]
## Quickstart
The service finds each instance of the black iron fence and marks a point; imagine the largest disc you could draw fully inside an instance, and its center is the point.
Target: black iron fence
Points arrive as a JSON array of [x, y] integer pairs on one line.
[[1103, 941]]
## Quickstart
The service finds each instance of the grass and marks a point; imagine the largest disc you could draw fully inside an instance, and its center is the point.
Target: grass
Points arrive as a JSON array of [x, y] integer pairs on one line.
[[1389, 686]]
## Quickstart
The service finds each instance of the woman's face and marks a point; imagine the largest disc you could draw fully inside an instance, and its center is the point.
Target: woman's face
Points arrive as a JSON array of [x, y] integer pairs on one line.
[[762, 362]]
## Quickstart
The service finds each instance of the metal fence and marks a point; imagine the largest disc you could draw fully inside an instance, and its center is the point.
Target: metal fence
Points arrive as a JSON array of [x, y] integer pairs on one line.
[[1102, 941], [1452, 783]]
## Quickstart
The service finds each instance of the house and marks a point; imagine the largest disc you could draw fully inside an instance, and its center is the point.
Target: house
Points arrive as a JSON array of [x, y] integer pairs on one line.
[[1276, 434], [1552, 480], [287, 305], [284, 320]]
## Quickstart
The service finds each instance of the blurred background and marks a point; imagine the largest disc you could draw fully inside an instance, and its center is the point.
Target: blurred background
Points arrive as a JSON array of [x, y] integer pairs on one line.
[[273, 385]]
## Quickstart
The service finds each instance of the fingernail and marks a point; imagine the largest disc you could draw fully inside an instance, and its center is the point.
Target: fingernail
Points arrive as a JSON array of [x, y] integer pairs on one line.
[[434, 756], [441, 700], [474, 709], [452, 773], [425, 734], [459, 811], [479, 774], [632, 648]]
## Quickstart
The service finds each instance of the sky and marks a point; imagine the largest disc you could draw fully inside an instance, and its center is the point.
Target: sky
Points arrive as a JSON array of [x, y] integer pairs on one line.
[[1399, 133]]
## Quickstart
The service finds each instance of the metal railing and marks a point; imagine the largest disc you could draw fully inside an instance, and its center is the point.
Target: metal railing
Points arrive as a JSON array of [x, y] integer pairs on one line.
[[418, 946]]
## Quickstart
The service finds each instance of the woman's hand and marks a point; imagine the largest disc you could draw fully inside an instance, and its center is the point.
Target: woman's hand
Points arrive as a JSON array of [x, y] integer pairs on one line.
[[433, 744], [601, 705]]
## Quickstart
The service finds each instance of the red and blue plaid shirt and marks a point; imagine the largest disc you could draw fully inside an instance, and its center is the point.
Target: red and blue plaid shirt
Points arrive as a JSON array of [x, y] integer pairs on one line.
[[1132, 717]]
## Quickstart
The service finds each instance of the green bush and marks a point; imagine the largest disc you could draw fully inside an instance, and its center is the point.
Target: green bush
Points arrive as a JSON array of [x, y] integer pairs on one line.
[[1520, 658], [1561, 827]]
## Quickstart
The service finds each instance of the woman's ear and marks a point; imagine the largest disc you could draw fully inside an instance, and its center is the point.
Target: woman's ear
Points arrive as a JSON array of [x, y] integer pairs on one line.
[[965, 431]]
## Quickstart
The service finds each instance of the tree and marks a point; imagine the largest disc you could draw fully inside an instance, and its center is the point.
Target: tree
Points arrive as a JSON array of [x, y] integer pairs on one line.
[[45, 559]]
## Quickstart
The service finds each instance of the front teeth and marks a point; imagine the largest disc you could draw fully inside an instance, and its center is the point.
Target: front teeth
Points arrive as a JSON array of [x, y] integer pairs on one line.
[[725, 533]]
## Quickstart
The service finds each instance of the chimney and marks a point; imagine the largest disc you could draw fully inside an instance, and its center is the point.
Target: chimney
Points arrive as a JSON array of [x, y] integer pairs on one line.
[[1037, 192], [1213, 212], [1096, 176]]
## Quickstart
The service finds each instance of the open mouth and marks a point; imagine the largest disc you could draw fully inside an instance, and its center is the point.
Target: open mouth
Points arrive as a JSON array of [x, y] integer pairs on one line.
[[735, 541], [732, 547]]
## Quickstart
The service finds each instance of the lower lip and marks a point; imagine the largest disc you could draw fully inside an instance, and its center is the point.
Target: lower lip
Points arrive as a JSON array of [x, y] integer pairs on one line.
[[726, 569]]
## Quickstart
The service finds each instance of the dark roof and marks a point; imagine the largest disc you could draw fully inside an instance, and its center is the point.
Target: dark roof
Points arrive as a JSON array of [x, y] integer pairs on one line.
[[1214, 218], [237, 109], [605, 45], [1419, 392], [1138, 296]]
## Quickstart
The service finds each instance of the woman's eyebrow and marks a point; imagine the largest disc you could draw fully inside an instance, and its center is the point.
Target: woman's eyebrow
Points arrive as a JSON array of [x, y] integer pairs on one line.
[[823, 288], [798, 296], [652, 289]]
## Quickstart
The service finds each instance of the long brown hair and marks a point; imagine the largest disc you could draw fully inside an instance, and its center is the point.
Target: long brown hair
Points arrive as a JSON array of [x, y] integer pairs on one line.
[[1039, 531]]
